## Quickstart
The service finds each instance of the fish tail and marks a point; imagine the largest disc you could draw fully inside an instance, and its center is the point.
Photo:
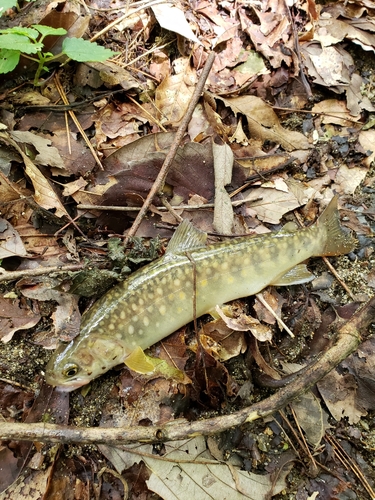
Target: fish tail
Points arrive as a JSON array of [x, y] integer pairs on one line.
[[336, 240]]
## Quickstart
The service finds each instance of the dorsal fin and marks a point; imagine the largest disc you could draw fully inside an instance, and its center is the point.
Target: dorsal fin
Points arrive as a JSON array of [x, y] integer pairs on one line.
[[186, 238], [289, 227]]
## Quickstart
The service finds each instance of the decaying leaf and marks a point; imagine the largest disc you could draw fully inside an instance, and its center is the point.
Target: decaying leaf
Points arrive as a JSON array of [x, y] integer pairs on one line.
[[173, 95], [44, 193], [11, 244], [245, 323], [14, 318], [66, 316], [47, 154], [223, 211], [172, 18], [188, 469], [264, 124]]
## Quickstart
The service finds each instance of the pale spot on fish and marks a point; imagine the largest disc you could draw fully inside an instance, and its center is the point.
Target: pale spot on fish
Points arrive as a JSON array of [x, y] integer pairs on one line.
[[140, 331], [204, 283], [179, 310], [224, 266], [122, 315], [111, 326], [246, 261], [215, 264], [159, 291], [150, 296], [162, 310], [171, 296], [164, 281], [135, 319], [182, 295], [157, 324], [177, 282], [130, 329], [118, 336], [146, 321], [141, 302], [150, 309], [134, 307], [230, 279]]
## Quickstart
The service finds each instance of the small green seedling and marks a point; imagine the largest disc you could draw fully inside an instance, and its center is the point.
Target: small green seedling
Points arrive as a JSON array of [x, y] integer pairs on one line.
[[7, 4], [29, 42]]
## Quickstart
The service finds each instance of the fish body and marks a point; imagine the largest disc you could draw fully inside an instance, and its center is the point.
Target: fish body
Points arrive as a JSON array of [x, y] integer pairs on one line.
[[188, 281]]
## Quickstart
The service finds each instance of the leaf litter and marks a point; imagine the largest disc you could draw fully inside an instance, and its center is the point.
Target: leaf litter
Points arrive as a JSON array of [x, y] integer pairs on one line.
[[288, 102]]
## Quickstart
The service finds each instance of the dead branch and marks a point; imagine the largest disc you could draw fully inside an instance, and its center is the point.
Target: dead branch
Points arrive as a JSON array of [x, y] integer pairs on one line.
[[160, 179], [349, 336], [40, 271]]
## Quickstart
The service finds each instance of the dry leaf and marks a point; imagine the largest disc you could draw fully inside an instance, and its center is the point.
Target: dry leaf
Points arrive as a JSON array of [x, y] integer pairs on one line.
[[264, 124], [11, 244], [223, 211], [173, 19], [14, 318]]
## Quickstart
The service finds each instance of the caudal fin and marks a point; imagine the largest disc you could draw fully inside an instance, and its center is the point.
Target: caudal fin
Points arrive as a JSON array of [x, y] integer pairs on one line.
[[337, 240]]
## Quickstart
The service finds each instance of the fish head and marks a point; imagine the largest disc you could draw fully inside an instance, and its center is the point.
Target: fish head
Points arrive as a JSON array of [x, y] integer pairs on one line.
[[76, 363]]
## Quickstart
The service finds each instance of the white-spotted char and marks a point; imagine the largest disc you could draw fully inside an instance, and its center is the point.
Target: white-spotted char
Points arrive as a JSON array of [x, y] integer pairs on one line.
[[159, 298]]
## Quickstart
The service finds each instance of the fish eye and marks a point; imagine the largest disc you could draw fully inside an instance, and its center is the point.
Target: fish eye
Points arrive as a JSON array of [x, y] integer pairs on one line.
[[70, 370]]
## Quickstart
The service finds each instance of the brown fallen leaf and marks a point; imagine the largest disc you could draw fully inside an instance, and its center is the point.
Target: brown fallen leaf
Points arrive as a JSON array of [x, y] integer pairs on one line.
[[45, 196], [173, 95], [11, 244], [263, 122], [14, 318], [245, 323]]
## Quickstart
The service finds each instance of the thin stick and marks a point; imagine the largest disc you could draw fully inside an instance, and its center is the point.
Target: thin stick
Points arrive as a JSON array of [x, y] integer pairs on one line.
[[339, 279], [160, 179], [75, 120], [40, 271], [261, 299], [115, 208], [349, 336]]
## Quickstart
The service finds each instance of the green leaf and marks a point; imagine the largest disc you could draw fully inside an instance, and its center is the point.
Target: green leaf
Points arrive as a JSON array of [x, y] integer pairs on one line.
[[8, 60], [20, 30], [47, 30], [7, 4], [83, 50], [22, 43]]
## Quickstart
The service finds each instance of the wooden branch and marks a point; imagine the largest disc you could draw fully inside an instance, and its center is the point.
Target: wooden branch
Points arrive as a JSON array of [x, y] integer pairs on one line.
[[349, 336], [160, 179], [39, 271]]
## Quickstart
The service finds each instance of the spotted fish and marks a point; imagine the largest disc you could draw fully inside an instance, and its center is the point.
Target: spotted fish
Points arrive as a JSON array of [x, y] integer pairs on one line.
[[189, 280]]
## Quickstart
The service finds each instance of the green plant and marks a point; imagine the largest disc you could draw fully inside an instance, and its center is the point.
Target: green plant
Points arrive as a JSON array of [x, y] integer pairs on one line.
[[29, 42], [9, 4]]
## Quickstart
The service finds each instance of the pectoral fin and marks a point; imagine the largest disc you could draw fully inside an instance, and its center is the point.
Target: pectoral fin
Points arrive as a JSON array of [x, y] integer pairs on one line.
[[294, 276], [139, 362]]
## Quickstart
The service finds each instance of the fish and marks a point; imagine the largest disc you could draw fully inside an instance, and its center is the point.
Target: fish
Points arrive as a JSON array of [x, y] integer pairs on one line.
[[188, 281]]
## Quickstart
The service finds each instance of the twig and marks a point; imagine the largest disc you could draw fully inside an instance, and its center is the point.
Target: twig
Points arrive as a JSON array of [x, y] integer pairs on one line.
[[160, 179], [123, 17], [75, 120], [40, 271], [349, 336], [349, 462], [261, 299], [338, 277], [115, 208]]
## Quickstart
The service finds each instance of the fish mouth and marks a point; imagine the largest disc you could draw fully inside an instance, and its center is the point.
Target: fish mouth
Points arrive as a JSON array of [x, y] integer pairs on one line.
[[70, 386]]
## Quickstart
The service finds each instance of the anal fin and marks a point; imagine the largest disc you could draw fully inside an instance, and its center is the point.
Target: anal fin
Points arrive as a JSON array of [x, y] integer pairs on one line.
[[295, 276]]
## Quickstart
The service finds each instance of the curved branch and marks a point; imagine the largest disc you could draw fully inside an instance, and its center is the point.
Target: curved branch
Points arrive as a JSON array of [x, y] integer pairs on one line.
[[349, 336]]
